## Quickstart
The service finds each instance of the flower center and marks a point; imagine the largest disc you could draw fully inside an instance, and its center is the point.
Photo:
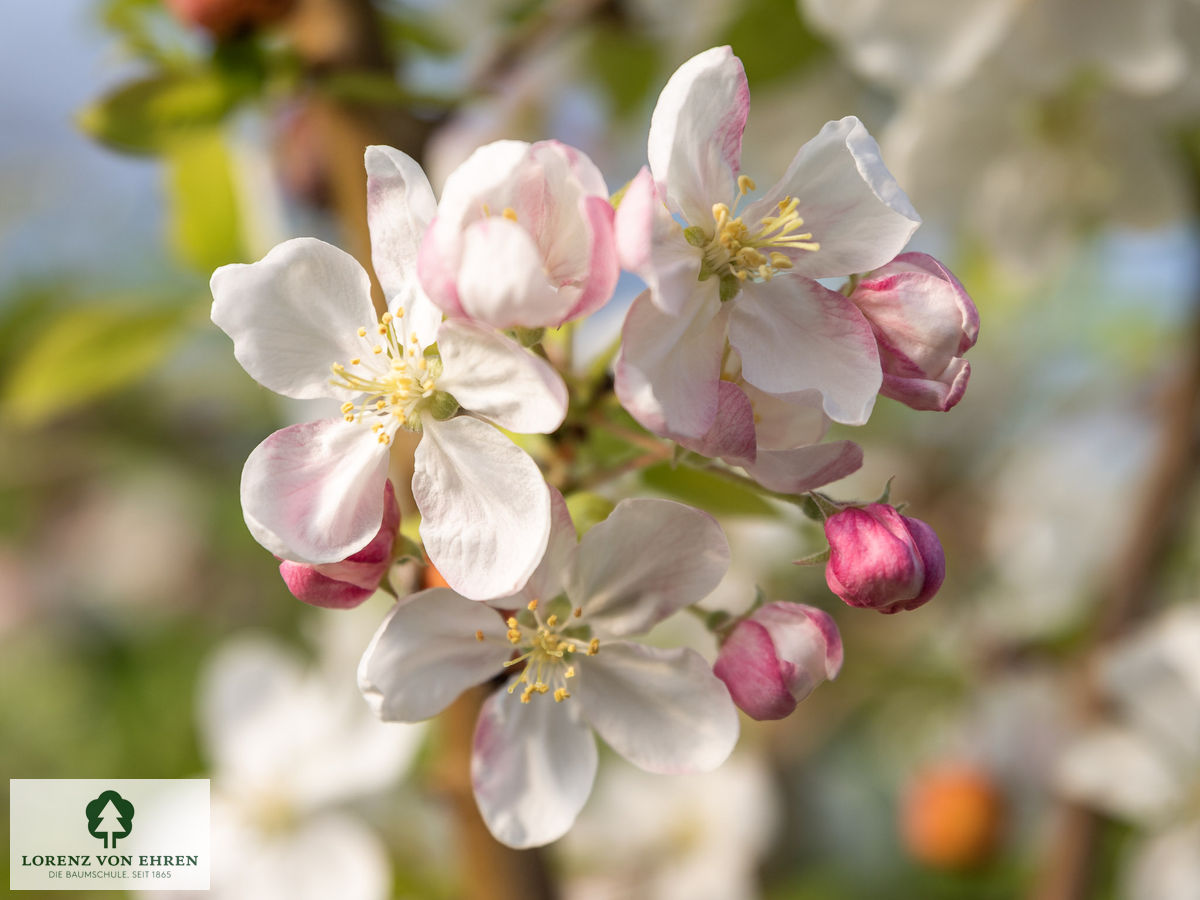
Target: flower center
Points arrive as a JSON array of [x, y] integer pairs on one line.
[[546, 652], [395, 380], [733, 249]]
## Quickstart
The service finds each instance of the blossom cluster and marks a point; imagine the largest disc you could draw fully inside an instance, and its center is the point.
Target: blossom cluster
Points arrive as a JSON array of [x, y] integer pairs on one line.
[[736, 351]]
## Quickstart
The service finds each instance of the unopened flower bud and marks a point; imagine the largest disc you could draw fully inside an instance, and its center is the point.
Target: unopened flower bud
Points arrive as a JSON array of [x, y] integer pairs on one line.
[[346, 584], [923, 322], [879, 559], [774, 659]]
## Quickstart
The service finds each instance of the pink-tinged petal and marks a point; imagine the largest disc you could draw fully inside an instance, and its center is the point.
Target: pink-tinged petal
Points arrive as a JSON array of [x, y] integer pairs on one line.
[[923, 262], [293, 314], [933, 558], [485, 509], [313, 493], [777, 657], [532, 767], [603, 269], [849, 202], [502, 278], [695, 142], [804, 468], [495, 377], [549, 578], [647, 560], [437, 267], [732, 433], [483, 182], [668, 372], [427, 652], [787, 421], [795, 335], [650, 243], [346, 584], [663, 710], [937, 395], [400, 206]]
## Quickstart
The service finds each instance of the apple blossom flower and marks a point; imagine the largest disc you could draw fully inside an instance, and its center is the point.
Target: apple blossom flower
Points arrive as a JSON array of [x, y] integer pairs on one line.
[[534, 758], [346, 584], [924, 321], [777, 657], [522, 237], [879, 559], [303, 325], [285, 759], [745, 276]]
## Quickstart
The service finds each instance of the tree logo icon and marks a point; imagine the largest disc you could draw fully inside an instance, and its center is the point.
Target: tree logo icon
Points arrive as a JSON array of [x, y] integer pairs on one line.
[[110, 816]]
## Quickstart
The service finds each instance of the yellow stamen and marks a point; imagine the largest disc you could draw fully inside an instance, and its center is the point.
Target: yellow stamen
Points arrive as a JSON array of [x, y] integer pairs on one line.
[[510, 214], [593, 647], [479, 636]]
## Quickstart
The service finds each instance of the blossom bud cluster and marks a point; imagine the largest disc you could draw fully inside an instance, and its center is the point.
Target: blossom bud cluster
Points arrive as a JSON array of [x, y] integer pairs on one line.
[[735, 351]]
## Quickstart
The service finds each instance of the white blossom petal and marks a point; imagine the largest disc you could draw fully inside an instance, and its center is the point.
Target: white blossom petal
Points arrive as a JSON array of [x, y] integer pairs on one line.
[[695, 142], [647, 560], [485, 509], [427, 652], [532, 767], [804, 468], [400, 206], [293, 314], [849, 202], [502, 277], [549, 579], [313, 493], [663, 710], [668, 372], [794, 335], [494, 376]]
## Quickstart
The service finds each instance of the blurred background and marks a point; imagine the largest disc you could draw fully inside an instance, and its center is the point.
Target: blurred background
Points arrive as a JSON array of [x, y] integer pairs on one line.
[[1032, 732]]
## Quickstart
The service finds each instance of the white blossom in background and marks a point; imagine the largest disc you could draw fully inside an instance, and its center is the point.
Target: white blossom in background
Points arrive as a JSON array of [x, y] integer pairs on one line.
[[303, 325], [688, 837], [534, 756], [288, 745], [1144, 766], [1023, 124]]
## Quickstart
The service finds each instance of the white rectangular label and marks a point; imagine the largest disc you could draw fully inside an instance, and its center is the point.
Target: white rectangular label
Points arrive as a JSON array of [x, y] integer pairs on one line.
[[102, 834]]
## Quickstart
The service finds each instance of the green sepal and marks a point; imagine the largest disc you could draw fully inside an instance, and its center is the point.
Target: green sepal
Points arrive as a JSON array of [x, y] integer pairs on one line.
[[731, 286], [695, 236], [442, 406], [814, 559]]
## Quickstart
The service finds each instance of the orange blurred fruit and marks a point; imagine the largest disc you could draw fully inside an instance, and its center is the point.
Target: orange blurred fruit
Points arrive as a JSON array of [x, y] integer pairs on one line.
[[952, 816]]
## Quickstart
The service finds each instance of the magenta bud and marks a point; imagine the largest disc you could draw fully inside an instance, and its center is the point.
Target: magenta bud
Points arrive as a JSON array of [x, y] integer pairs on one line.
[[774, 659], [923, 322], [879, 559], [346, 584]]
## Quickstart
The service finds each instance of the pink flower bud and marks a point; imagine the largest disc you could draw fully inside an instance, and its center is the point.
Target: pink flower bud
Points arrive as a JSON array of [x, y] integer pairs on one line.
[[774, 659], [882, 560], [923, 322], [346, 584]]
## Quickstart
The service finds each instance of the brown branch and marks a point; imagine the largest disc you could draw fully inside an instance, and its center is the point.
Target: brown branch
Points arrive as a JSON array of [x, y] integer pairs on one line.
[[1127, 598]]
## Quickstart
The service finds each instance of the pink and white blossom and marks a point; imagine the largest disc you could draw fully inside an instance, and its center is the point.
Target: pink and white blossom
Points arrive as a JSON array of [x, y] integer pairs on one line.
[[534, 757], [777, 657], [303, 325], [881, 560], [924, 322], [744, 276], [523, 236], [346, 584]]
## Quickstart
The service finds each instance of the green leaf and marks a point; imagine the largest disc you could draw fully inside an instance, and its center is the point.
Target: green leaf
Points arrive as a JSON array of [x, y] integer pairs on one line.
[[204, 222], [705, 490], [83, 355], [587, 509], [152, 114]]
